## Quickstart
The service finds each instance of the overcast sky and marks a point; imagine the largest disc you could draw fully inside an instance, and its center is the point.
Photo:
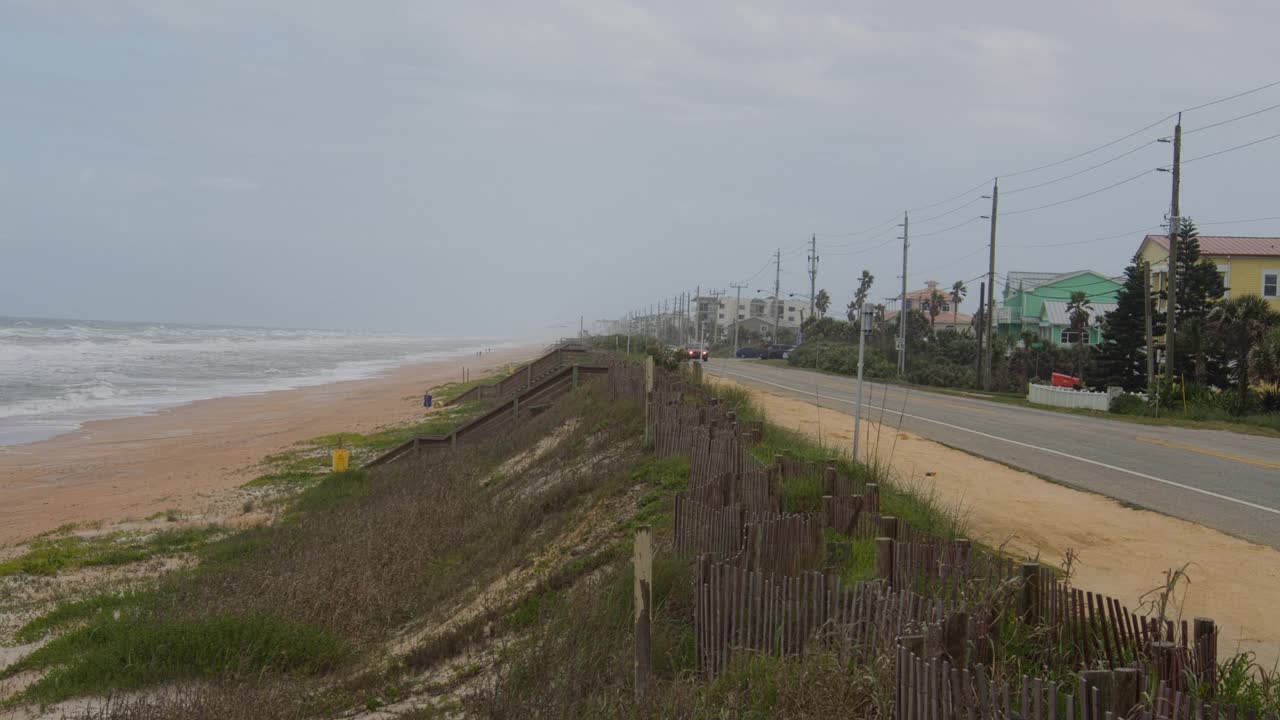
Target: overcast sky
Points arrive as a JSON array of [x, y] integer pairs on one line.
[[500, 167]]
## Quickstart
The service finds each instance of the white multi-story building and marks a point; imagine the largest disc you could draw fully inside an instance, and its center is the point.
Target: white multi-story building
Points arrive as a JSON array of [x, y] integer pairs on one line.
[[717, 315]]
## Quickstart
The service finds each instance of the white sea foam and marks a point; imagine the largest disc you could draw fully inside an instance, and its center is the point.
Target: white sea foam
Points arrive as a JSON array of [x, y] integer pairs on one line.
[[56, 375]]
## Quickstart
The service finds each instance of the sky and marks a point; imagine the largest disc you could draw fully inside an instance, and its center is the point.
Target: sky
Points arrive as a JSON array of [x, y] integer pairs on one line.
[[495, 167]]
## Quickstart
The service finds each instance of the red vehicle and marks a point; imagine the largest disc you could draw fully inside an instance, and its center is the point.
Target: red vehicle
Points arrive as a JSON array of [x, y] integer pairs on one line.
[[1064, 381], [697, 351]]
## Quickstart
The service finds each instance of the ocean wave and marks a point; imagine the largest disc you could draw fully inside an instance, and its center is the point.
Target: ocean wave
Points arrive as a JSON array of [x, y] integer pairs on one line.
[[58, 373]]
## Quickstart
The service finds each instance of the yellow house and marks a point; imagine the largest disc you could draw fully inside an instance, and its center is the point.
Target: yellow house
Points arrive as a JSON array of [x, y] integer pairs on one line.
[[1248, 265]]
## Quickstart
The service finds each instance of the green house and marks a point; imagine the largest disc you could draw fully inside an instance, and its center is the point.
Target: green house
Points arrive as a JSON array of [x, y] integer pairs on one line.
[[1037, 301]]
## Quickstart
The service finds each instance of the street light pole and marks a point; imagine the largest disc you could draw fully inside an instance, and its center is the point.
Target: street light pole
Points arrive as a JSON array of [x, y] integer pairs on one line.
[[865, 318]]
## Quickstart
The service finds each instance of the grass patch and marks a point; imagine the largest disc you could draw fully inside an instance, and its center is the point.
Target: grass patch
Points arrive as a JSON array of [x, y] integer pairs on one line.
[[73, 611], [120, 653], [54, 555]]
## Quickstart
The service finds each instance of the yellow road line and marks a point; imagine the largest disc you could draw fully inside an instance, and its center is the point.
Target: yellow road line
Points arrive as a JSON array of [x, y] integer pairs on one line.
[[1213, 453]]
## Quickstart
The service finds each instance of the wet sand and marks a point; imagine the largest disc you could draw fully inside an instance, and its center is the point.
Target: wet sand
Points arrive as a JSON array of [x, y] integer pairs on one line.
[[178, 458]]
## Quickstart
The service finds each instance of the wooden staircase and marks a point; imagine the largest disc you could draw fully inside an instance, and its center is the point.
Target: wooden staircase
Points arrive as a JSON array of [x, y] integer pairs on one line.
[[527, 400]]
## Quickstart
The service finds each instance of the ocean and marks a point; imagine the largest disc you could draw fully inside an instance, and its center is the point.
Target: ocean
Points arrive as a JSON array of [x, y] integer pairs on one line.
[[56, 375]]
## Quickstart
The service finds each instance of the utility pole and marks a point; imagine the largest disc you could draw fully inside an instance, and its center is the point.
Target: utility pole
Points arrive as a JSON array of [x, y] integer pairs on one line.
[[736, 307], [991, 286], [1146, 311], [715, 315], [902, 309], [1175, 227], [697, 313], [977, 378], [630, 322], [813, 272], [777, 282]]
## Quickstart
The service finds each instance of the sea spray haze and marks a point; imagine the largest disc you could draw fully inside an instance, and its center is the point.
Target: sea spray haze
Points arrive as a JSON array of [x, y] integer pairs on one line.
[[57, 374]]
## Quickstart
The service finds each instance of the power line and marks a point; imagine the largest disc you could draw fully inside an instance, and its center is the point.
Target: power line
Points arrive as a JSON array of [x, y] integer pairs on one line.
[[1232, 97], [1085, 242], [1081, 172], [971, 190], [1083, 196], [953, 262], [1230, 149], [862, 250], [1236, 222], [1090, 151], [1231, 120], [882, 233], [954, 209], [863, 231], [948, 229]]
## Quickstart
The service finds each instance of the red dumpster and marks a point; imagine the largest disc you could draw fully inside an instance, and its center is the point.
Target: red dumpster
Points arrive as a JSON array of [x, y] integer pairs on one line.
[[1063, 381]]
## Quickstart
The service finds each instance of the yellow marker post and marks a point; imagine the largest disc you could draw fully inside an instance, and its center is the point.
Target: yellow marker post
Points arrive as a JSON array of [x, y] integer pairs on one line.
[[340, 459]]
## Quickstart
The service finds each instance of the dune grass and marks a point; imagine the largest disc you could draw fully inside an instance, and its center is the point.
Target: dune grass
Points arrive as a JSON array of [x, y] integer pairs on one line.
[[118, 650], [50, 556]]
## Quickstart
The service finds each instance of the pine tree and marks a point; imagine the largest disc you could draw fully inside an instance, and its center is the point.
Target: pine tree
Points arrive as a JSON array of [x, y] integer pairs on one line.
[[1200, 287], [1122, 358]]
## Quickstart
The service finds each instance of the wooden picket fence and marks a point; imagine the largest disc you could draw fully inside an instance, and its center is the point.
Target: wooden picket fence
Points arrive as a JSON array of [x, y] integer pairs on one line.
[[760, 589], [738, 610], [936, 689], [706, 529]]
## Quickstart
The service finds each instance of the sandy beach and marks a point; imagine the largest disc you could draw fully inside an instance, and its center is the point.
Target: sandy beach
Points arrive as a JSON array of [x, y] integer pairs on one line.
[[180, 457]]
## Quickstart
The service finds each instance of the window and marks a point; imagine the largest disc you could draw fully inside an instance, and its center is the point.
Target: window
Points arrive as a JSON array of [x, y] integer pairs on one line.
[[1270, 283], [1070, 337], [791, 318], [721, 316]]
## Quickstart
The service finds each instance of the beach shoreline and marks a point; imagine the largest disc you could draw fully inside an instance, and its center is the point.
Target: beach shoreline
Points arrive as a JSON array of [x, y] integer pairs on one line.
[[181, 457]]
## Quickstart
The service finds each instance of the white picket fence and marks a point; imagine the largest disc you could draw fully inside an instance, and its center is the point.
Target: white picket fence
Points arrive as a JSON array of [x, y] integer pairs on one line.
[[1067, 398]]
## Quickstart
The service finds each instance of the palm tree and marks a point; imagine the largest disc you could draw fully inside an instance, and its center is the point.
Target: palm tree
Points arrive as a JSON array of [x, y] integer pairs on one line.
[[864, 287], [1241, 323], [936, 299], [1079, 309], [958, 291], [880, 310], [822, 302]]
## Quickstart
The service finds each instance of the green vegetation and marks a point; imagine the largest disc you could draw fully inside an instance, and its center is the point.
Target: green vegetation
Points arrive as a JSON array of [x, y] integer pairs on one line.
[[310, 459], [125, 652], [274, 610], [49, 556]]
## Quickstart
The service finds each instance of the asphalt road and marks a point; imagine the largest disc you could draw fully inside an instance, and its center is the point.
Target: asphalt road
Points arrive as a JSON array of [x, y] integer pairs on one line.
[[1229, 481]]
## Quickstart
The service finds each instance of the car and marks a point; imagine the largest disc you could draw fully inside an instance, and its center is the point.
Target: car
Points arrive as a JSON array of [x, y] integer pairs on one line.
[[776, 352], [697, 351], [750, 352]]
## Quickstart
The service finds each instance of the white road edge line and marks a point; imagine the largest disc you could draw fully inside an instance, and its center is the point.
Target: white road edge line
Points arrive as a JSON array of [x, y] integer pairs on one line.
[[1019, 443]]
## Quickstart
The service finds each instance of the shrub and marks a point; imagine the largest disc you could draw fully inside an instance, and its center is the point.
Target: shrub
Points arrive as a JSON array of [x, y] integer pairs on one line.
[[1127, 404]]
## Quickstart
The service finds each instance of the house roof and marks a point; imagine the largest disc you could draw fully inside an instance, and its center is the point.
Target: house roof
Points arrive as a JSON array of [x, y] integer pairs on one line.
[[944, 317], [1056, 312], [1021, 280], [1229, 245]]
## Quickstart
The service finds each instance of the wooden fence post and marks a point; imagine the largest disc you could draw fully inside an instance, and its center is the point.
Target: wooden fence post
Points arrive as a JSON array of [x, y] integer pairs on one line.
[[889, 527], [1205, 633], [955, 637], [828, 512], [872, 495], [829, 479], [1105, 682], [1029, 592], [643, 610], [1126, 687], [648, 399], [884, 559]]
